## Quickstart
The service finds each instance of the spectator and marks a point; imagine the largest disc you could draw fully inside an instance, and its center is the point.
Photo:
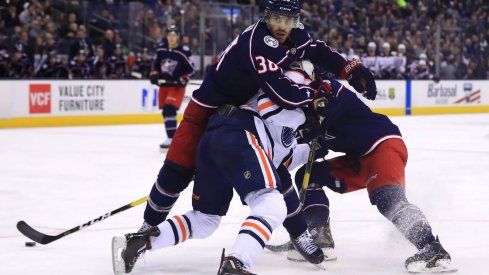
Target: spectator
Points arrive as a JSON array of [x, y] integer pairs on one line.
[[79, 67], [80, 43], [108, 43]]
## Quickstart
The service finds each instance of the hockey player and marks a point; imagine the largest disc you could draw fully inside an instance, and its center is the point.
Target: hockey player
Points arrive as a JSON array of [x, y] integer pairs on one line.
[[375, 159], [262, 134], [252, 61], [171, 71]]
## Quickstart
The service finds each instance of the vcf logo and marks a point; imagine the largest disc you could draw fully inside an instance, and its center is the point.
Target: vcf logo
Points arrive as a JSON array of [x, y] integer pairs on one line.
[[39, 98]]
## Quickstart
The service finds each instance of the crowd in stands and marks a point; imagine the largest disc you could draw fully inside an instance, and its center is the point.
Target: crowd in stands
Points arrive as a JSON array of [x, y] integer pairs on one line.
[[95, 39]]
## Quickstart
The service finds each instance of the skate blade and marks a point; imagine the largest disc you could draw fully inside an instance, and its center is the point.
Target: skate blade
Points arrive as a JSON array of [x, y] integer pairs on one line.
[[441, 266], [118, 245], [295, 256], [329, 255]]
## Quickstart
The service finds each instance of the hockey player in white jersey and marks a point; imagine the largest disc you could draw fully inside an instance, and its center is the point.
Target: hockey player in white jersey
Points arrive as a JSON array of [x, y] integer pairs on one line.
[[240, 150]]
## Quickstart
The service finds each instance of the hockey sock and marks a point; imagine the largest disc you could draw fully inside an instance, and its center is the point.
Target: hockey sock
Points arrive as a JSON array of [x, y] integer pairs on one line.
[[295, 222], [191, 225], [170, 115], [268, 211], [316, 207], [408, 218], [165, 192]]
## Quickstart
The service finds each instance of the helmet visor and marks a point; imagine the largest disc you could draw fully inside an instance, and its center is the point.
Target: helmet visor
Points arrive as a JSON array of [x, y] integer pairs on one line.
[[281, 19]]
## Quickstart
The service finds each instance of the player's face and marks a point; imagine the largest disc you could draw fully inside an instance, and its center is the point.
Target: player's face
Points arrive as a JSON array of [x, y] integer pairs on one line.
[[172, 39], [280, 26]]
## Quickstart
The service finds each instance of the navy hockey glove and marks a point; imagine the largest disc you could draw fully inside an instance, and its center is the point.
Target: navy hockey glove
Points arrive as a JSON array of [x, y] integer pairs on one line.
[[359, 78], [301, 39], [322, 148], [153, 78], [311, 128]]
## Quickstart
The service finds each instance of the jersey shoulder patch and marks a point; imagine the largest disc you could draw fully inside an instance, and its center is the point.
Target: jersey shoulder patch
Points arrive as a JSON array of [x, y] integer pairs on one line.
[[270, 41]]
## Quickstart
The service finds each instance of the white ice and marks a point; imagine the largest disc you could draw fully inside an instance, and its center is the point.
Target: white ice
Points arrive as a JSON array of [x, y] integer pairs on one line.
[[57, 178]]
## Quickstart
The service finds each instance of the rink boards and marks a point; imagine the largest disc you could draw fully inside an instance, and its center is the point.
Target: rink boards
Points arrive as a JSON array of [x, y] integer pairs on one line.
[[36, 103]]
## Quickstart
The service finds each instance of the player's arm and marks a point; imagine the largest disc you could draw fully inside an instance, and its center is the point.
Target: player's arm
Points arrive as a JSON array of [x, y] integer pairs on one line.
[[341, 102], [265, 45], [280, 88], [353, 70]]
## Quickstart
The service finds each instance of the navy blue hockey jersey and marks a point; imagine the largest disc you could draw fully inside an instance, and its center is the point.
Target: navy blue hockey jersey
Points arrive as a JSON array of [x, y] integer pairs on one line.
[[172, 64], [255, 60], [352, 127]]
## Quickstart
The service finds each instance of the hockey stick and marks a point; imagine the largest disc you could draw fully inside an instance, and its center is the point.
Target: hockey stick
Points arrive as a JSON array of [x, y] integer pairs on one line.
[[307, 173], [42, 238], [302, 196], [164, 81]]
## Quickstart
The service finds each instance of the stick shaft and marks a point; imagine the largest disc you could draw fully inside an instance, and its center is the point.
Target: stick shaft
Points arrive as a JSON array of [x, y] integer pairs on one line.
[[307, 173], [42, 238]]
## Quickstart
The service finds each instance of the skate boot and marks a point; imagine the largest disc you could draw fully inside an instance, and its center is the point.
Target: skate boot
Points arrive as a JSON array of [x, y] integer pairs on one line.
[[127, 250], [230, 266], [323, 238], [145, 226], [433, 258], [305, 250], [166, 144]]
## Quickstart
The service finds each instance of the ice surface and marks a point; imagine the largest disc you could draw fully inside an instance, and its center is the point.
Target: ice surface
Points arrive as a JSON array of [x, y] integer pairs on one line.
[[57, 178]]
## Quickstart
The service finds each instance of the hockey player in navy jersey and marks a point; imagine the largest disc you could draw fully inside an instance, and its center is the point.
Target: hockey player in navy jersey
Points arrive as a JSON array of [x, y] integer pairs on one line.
[[262, 135], [171, 71], [252, 61], [375, 159]]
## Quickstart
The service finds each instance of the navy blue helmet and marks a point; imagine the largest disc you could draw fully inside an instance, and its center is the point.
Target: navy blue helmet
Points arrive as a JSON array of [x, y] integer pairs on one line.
[[174, 29], [284, 7]]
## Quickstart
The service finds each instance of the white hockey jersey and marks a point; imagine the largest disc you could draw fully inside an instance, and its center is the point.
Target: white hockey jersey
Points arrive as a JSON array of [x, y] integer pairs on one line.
[[277, 129]]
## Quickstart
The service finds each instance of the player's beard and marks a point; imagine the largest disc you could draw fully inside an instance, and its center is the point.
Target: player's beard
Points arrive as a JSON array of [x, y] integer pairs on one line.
[[280, 35]]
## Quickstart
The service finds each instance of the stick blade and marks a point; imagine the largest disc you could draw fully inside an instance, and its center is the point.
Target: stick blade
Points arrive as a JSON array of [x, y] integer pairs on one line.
[[33, 234], [280, 247]]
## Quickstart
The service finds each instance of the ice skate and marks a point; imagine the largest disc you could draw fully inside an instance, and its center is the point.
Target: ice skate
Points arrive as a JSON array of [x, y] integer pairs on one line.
[[323, 238], [126, 250], [165, 145], [306, 250], [433, 258], [231, 266]]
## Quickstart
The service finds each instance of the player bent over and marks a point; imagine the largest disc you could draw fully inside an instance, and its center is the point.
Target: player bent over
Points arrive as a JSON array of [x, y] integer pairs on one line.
[[375, 159], [171, 70], [240, 149], [251, 62]]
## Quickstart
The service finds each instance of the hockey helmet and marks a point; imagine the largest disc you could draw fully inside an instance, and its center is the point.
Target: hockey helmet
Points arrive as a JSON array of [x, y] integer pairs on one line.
[[174, 29], [283, 7], [304, 65]]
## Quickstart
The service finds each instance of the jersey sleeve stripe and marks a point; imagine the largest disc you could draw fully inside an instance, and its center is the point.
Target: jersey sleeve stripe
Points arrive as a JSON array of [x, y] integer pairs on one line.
[[265, 105]]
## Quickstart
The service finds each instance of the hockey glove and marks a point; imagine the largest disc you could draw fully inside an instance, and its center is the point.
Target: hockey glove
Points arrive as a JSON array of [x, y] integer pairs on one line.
[[322, 148], [153, 78], [359, 78], [300, 39], [323, 96], [311, 128]]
